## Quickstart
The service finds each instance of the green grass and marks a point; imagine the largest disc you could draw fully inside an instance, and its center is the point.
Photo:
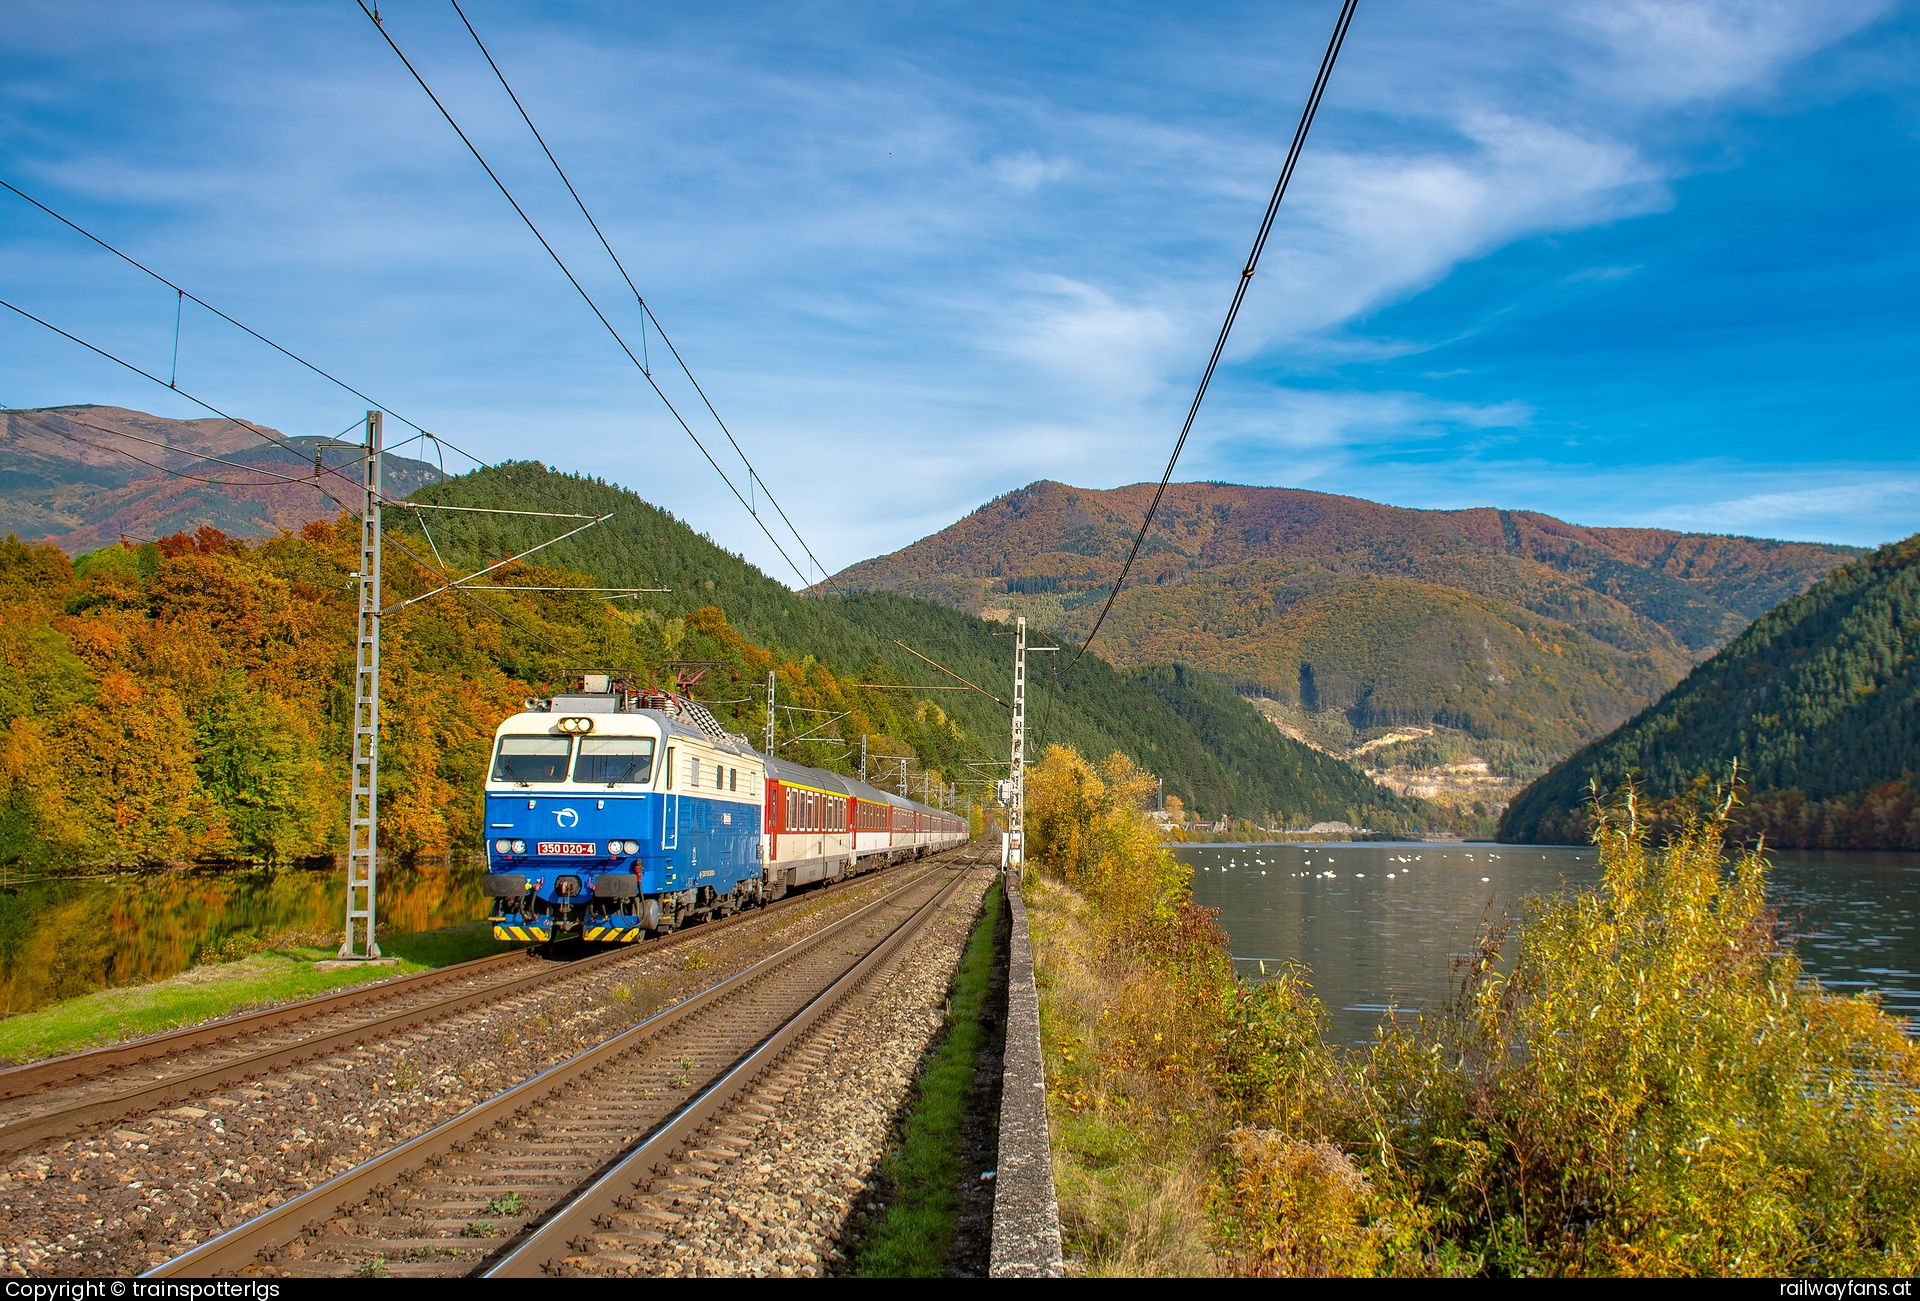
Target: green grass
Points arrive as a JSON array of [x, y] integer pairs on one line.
[[914, 1236], [446, 946], [205, 993]]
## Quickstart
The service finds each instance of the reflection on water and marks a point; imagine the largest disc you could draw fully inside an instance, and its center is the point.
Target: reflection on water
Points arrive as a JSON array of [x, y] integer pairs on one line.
[[1377, 923], [61, 937]]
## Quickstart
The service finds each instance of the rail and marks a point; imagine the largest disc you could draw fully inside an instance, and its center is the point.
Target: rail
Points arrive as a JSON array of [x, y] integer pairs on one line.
[[248, 1242], [22, 1129]]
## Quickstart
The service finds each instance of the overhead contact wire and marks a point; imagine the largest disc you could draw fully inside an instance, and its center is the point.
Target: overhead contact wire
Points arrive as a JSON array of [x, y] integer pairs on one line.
[[1233, 309], [184, 295], [201, 402], [647, 311], [578, 288]]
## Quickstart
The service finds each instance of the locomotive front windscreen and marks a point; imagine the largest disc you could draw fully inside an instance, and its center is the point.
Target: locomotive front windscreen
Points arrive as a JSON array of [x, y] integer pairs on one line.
[[527, 759], [613, 760]]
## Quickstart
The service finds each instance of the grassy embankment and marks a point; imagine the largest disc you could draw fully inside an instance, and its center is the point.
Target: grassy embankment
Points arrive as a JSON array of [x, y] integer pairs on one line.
[[913, 1238], [216, 988], [1645, 1084]]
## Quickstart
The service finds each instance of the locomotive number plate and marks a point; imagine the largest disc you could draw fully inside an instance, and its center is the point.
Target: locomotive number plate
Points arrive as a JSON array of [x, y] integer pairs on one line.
[[574, 848]]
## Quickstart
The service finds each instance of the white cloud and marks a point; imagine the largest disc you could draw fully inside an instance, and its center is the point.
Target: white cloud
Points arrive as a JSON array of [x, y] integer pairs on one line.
[[1846, 503], [1025, 171], [1887, 501], [1660, 53], [1086, 344]]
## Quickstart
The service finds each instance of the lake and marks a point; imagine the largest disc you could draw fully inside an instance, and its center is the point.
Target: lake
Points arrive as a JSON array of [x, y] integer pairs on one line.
[[65, 936], [1377, 922]]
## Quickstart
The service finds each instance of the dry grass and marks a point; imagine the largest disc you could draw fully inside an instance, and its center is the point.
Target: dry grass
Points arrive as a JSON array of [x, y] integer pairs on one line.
[[1130, 1178]]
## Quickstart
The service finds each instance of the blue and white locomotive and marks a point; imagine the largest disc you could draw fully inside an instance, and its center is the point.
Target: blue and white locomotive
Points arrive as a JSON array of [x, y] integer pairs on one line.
[[614, 813]]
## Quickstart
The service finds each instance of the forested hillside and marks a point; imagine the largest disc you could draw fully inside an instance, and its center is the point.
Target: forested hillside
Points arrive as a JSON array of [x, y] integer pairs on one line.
[[1819, 701], [1201, 748], [1530, 633], [188, 698]]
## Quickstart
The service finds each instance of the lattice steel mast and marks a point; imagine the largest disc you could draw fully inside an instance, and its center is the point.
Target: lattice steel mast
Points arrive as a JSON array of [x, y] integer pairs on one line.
[[1016, 809], [363, 798]]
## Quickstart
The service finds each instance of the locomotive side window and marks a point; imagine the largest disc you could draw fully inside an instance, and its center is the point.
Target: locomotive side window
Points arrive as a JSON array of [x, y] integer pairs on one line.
[[669, 767], [527, 759], [613, 760]]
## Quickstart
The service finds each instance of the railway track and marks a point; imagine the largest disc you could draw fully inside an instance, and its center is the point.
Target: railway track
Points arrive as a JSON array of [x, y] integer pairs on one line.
[[504, 1188], [62, 1096]]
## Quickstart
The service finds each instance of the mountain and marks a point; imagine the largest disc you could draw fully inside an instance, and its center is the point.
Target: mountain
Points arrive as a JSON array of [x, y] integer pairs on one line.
[[1211, 747], [1819, 701], [1524, 632], [84, 476]]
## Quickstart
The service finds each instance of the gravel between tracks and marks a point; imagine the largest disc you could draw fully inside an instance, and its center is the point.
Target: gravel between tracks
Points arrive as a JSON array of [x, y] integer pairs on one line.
[[117, 1201], [779, 1183]]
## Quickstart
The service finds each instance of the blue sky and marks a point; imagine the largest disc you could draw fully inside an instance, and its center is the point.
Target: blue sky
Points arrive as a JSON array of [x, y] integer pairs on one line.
[[1624, 262]]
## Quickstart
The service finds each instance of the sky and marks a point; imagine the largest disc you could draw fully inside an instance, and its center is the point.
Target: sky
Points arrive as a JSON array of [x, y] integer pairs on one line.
[[1623, 262]]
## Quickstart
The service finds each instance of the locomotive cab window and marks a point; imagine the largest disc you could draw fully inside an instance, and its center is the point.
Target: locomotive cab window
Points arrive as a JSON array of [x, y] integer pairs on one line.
[[614, 760], [529, 759]]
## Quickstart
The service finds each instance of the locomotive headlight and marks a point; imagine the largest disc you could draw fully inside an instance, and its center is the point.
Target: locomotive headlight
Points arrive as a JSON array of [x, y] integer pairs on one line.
[[633, 846], [519, 846], [576, 724], [503, 846]]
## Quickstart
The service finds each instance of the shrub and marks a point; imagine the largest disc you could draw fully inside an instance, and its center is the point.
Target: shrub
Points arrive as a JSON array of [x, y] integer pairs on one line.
[[1654, 1087], [1639, 1081]]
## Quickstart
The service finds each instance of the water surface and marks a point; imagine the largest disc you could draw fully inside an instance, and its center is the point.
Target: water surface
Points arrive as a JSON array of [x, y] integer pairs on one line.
[[1378, 922], [65, 936]]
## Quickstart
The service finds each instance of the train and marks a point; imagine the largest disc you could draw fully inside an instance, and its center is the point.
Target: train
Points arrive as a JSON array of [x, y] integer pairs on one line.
[[614, 814]]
